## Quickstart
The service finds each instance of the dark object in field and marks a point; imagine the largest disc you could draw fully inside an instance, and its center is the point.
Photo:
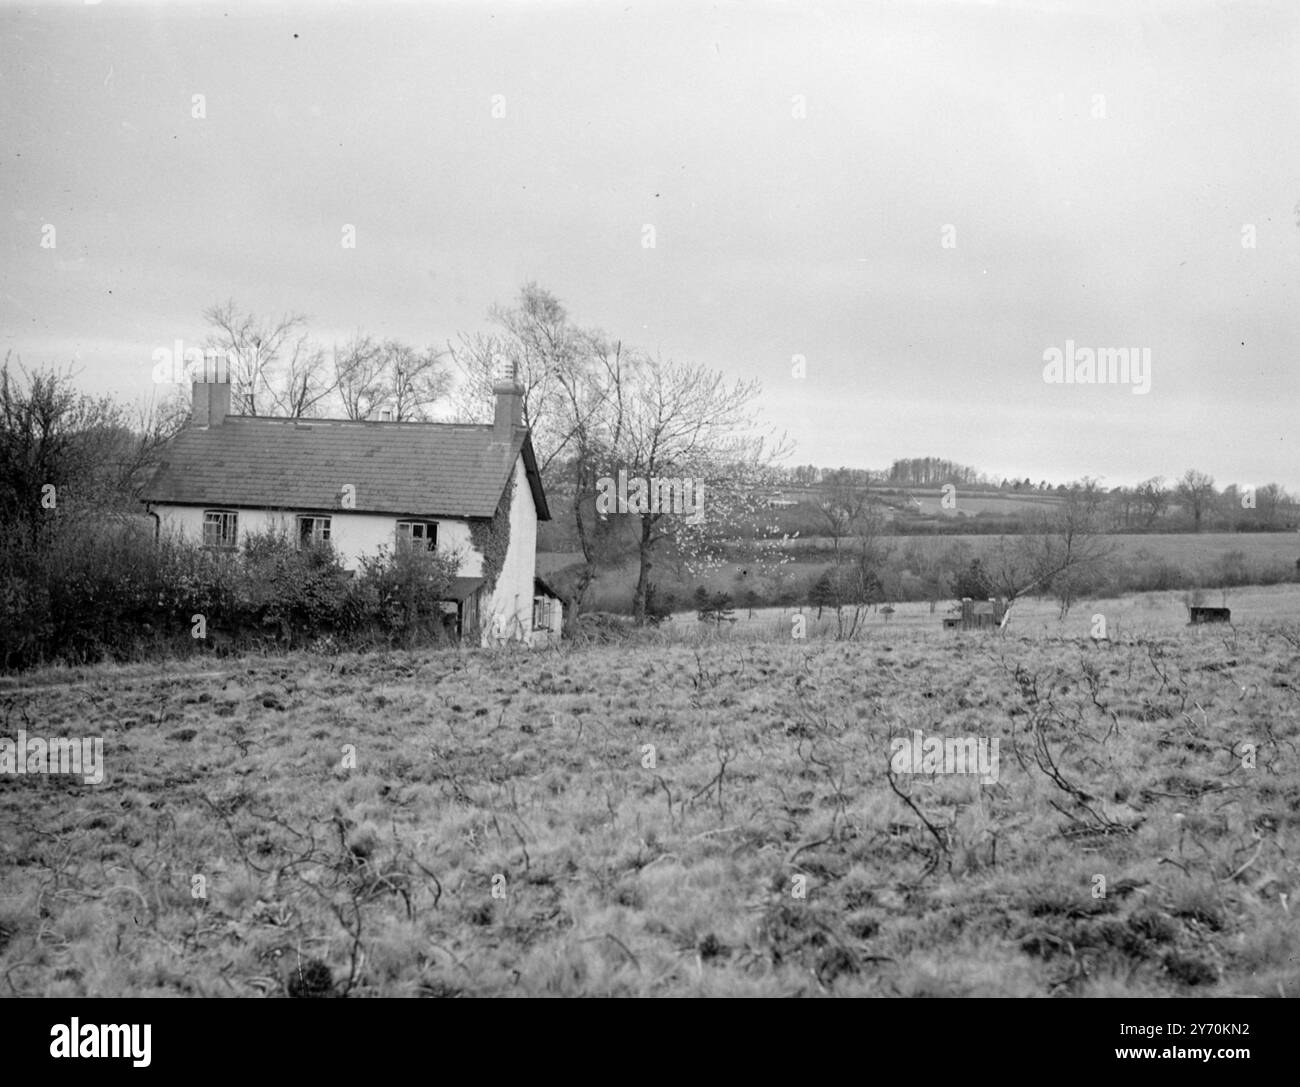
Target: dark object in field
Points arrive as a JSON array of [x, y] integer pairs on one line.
[[312, 979], [978, 615], [1210, 615], [710, 947], [1188, 970]]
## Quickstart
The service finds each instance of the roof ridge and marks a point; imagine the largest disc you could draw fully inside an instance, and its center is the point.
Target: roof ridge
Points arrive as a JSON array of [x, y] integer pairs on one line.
[[300, 421]]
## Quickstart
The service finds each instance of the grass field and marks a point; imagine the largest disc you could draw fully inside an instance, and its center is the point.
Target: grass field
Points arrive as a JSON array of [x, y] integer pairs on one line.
[[1195, 550], [1197, 553], [1140, 614], [505, 828], [930, 504]]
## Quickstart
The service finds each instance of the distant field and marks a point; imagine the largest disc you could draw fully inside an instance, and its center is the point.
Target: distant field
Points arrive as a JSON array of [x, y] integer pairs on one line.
[[1198, 553], [1139, 614], [679, 814], [969, 506], [1190, 547]]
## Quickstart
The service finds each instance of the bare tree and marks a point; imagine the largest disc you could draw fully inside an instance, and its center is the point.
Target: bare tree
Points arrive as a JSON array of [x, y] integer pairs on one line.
[[843, 508], [684, 423], [40, 415], [1122, 505], [258, 349], [575, 383], [1067, 547], [1073, 552], [1153, 498], [925, 560], [590, 404], [1269, 500], [413, 380], [62, 450], [305, 382], [594, 406], [537, 344], [125, 448], [857, 584], [1196, 489], [358, 375]]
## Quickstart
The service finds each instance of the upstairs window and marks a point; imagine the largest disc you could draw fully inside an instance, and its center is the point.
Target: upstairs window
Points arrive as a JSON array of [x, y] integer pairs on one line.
[[418, 534], [313, 531], [220, 529]]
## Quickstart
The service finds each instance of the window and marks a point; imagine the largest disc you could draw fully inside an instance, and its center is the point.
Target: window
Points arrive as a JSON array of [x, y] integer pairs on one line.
[[542, 613], [220, 529], [418, 534], [313, 531]]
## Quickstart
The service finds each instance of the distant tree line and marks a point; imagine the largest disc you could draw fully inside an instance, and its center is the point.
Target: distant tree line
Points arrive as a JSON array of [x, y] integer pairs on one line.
[[934, 472], [1191, 503]]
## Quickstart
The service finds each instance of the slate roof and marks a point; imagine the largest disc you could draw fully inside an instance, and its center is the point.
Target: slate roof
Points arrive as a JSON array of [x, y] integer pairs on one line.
[[413, 469], [540, 586], [461, 588]]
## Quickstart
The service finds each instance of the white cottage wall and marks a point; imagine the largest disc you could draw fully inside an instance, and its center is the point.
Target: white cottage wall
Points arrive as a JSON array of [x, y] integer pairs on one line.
[[352, 534], [509, 612]]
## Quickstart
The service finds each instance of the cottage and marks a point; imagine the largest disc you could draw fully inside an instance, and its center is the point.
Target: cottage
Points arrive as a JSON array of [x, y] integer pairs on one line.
[[363, 485]]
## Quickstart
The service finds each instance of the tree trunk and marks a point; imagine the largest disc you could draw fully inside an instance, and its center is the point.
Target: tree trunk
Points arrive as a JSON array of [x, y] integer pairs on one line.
[[586, 531], [644, 558]]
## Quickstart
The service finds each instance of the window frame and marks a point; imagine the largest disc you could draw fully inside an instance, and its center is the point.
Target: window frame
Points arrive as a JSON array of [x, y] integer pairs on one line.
[[226, 517], [408, 539], [317, 536]]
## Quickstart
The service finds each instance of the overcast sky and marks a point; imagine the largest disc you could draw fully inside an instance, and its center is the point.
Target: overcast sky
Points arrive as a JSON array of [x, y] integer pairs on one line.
[[802, 166]]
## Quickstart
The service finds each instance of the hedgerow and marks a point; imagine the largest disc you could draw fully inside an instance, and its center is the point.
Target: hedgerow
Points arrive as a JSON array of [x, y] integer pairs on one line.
[[73, 596]]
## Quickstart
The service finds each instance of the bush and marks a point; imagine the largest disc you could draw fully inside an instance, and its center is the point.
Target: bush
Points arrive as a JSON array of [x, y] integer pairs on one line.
[[602, 627], [81, 595], [110, 593], [294, 594], [822, 594], [974, 582], [658, 605], [714, 608], [399, 593], [1159, 577]]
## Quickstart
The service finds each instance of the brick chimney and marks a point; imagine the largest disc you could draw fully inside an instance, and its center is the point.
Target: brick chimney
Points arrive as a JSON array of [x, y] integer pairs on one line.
[[510, 407], [211, 403]]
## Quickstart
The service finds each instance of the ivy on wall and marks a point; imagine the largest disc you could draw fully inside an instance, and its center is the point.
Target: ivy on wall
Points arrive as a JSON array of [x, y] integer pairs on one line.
[[491, 538]]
